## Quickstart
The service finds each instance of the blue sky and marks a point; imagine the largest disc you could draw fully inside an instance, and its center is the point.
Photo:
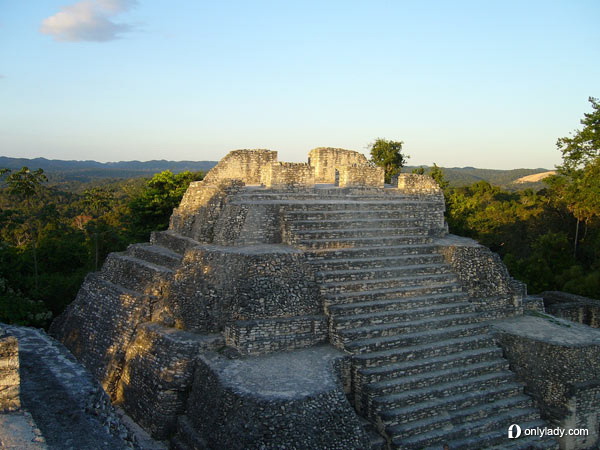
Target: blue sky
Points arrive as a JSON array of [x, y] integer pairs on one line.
[[463, 83]]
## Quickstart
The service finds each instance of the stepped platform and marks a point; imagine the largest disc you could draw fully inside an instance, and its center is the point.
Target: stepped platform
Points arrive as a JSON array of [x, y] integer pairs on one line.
[[270, 271]]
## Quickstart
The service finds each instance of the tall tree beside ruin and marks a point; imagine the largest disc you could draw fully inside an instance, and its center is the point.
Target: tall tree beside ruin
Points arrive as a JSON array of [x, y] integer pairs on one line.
[[388, 154], [578, 180]]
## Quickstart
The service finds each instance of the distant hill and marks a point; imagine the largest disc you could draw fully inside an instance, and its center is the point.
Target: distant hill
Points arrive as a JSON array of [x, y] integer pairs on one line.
[[464, 176], [86, 171], [60, 171]]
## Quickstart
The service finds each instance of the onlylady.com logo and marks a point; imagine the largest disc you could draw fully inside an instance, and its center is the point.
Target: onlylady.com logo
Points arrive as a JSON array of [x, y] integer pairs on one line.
[[515, 431]]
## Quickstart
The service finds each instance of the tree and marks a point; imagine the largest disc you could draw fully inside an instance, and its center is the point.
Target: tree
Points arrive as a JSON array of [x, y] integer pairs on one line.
[[578, 179], [583, 147], [437, 174], [24, 186], [96, 202], [153, 206], [388, 154]]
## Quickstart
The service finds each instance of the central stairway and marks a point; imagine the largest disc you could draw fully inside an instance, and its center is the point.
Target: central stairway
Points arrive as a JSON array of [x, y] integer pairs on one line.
[[426, 370]]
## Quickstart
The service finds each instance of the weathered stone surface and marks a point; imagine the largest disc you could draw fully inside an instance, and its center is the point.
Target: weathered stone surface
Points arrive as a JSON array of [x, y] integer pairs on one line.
[[560, 363], [98, 327], [572, 307], [269, 335], [201, 207], [157, 375], [244, 165], [217, 285], [483, 276], [327, 160], [288, 174], [361, 175], [69, 408], [9, 373], [290, 400]]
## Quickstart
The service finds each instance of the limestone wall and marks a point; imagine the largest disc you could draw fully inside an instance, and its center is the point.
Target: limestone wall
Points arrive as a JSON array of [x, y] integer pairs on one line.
[[157, 375], [573, 307], [99, 326], [361, 175], [9, 373], [201, 207], [243, 165], [270, 335], [483, 276], [411, 183], [217, 285], [292, 400], [560, 364], [288, 174], [326, 160]]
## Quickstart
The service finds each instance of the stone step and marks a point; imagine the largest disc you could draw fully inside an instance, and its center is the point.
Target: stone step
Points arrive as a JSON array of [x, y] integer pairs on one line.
[[395, 304], [391, 371], [416, 396], [446, 404], [374, 344], [409, 327], [338, 322], [391, 293], [323, 194], [498, 438], [370, 284], [134, 273], [172, 241], [357, 233], [349, 214], [430, 379], [362, 242], [354, 223], [332, 276], [370, 252], [377, 262], [450, 419], [479, 433], [155, 254], [417, 352], [293, 207]]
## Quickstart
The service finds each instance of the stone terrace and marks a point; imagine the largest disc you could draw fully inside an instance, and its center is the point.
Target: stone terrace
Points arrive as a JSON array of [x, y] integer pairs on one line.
[[247, 270]]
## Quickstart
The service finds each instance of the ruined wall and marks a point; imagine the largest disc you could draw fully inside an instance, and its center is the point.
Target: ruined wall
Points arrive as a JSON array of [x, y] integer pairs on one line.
[[218, 285], [288, 174], [244, 165], [425, 189], [284, 401], [483, 276], [255, 337], [157, 375], [99, 326], [560, 364], [9, 373], [573, 307], [361, 175], [326, 160], [411, 183], [201, 207]]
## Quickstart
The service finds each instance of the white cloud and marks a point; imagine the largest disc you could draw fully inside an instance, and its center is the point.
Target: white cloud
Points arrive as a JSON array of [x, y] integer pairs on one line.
[[88, 20]]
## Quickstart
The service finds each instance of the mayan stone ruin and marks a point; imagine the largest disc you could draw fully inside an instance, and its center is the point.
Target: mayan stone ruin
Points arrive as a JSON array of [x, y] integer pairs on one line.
[[310, 306]]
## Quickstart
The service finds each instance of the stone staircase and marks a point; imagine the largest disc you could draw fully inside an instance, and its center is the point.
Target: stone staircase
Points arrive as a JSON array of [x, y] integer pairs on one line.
[[426, 370], [143, 268]]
